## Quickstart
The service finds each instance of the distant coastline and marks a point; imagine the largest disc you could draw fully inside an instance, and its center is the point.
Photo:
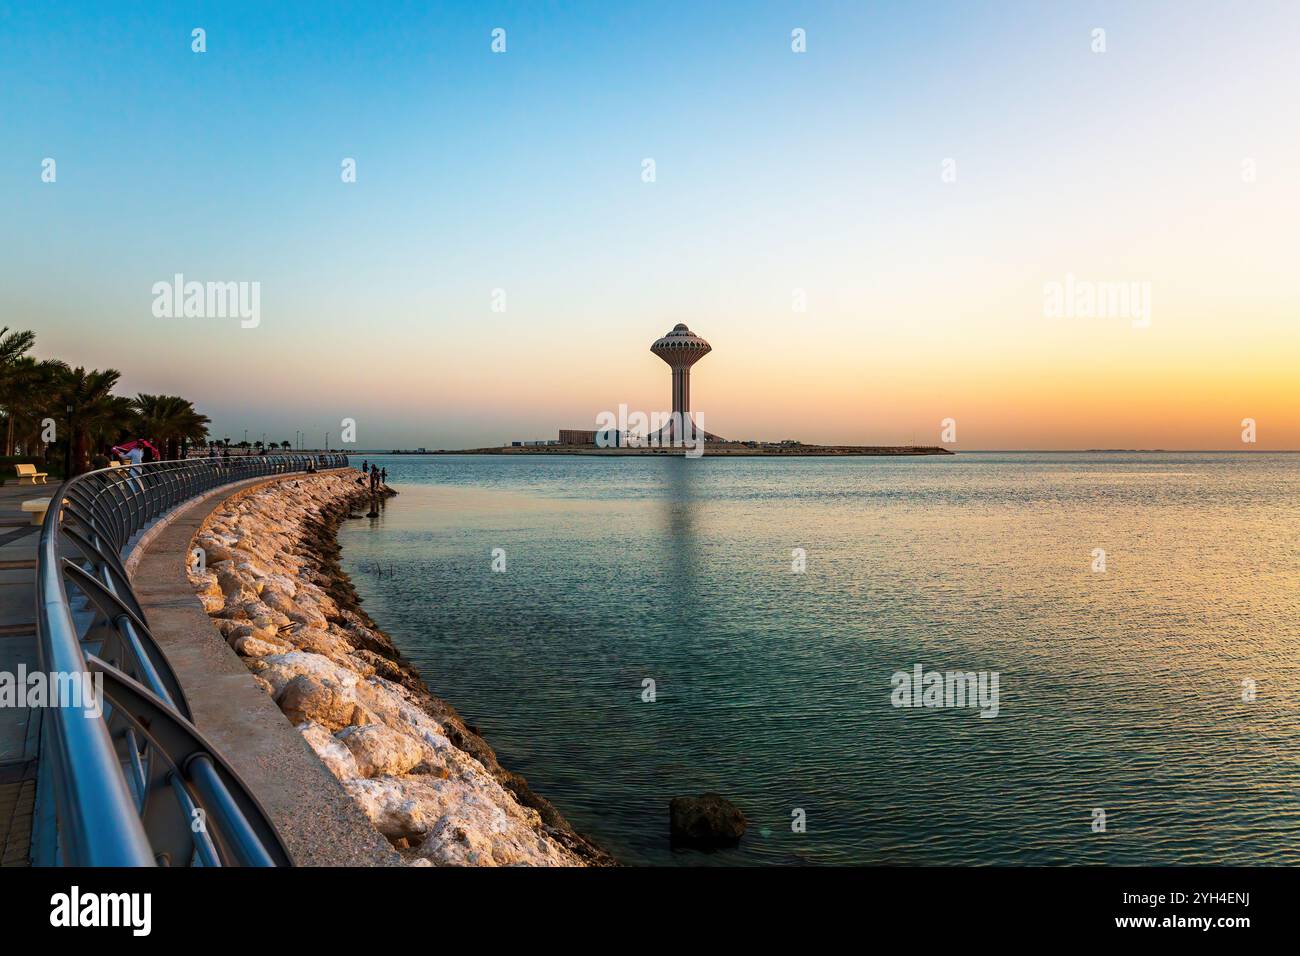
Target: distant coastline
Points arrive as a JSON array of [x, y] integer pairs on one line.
[[818, 450], [728, 449]]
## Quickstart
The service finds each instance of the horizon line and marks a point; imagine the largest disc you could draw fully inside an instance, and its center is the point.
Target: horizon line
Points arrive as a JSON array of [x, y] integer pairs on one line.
[[969, 451]]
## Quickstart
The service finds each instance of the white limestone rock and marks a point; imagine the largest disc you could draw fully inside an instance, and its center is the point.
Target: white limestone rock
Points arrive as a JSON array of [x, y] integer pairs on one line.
[[247, 645], [283, 668], [325, 702], [336, 757], [212, 603], [381, 751]]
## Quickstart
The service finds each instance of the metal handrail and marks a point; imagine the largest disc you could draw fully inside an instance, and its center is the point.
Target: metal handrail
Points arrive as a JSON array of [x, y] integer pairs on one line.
[[131, 780]]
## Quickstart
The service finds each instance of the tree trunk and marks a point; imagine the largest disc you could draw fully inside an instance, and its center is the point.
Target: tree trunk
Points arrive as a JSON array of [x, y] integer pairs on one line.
[[78, 452]]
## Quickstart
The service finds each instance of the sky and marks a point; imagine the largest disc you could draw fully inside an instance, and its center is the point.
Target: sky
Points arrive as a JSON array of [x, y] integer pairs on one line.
[[867, 231]]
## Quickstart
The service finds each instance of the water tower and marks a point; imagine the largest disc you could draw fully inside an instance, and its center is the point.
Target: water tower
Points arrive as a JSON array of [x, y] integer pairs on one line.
[[681, 348]]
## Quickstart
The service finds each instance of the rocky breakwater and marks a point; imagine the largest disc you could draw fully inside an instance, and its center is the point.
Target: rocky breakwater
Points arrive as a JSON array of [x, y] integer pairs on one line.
[[271, 582]]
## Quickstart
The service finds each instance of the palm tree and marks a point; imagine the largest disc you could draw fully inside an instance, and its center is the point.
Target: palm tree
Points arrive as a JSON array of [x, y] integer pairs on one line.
[[14, 347], [171, 420], [84, 403], [286, 445], [118, 419], [27, 385]]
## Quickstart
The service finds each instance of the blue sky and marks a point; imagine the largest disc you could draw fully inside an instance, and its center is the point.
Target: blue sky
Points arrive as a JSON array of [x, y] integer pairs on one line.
[[774, 171]]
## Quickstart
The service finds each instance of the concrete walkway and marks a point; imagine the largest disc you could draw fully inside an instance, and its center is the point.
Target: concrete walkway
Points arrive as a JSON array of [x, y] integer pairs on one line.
[[19, 728], [319, 823]]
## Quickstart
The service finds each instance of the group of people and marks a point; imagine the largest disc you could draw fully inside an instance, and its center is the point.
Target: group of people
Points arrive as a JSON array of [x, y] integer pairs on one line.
[[136, 452], [378, 477]]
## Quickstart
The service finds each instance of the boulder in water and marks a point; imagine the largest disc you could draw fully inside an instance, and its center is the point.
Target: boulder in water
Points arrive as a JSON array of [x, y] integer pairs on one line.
[[707, 820]]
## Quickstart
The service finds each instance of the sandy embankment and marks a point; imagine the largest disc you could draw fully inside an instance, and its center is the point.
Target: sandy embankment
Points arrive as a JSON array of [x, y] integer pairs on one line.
[[432, 786]]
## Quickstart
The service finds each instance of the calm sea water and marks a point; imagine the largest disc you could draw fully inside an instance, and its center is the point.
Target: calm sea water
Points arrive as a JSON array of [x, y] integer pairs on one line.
[[1120, 691]]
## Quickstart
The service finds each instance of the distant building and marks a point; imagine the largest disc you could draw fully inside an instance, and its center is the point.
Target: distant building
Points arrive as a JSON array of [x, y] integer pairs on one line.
[[605, 439]]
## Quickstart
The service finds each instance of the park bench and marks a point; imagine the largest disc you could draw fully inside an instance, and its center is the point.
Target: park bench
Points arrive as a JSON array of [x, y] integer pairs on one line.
[[27, 474]]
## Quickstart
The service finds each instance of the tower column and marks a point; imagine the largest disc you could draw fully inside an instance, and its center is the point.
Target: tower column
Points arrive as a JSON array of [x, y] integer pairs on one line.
[[681, 390]]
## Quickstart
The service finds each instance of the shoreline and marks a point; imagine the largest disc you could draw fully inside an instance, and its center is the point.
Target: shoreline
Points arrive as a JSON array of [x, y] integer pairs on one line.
[[428, 781], [721, 450]]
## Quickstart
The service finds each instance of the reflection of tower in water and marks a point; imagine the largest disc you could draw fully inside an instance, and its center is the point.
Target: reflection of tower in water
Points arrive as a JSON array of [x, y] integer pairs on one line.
[[679, 526]]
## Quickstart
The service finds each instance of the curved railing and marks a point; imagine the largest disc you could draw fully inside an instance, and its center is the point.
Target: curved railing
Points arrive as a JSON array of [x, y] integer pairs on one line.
[[125, 778]]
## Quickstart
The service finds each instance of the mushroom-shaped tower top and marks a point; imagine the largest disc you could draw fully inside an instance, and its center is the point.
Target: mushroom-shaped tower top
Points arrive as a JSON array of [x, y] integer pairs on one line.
[[681, 348]]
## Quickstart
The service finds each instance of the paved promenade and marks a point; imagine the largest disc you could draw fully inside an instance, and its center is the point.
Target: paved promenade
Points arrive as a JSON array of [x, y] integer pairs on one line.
[[319, 823], [19, 733]]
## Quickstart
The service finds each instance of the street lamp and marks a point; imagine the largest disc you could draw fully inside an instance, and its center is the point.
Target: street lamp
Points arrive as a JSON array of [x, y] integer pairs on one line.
[[67, 452]]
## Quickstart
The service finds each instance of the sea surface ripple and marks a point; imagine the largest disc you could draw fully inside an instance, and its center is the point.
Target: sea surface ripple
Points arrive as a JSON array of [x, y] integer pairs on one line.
[[1119, 691]]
